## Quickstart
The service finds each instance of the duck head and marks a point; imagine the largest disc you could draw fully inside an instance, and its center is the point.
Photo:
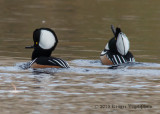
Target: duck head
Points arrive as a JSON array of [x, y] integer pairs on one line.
[[45, 41], [119, 43]]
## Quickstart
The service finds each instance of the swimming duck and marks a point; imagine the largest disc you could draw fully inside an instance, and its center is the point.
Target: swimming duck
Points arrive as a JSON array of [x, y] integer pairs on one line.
[[45, 41], [116, 50]]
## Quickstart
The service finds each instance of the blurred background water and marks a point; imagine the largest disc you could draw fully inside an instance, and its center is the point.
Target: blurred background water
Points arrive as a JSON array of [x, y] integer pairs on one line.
[[83, 29]]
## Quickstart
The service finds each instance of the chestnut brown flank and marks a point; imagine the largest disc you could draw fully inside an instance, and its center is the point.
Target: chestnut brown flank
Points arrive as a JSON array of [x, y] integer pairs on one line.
[[35, 65], [105, 60]]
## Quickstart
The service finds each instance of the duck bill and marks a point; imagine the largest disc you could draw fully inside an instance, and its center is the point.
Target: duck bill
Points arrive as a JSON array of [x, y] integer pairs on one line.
[[29, 47]]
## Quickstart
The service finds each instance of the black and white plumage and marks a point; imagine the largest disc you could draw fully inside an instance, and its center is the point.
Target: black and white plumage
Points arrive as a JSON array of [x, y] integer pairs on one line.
[[118, 58], [122, 44], [117, 49], [45, 41], [50, 61]]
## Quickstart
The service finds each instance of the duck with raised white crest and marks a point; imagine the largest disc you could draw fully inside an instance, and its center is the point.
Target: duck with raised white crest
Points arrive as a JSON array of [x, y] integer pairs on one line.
[[45, 41], [116, 50]]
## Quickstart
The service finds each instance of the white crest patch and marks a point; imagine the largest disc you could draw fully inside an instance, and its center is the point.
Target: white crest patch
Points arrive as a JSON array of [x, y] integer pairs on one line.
[[47, 39], [122, 44]]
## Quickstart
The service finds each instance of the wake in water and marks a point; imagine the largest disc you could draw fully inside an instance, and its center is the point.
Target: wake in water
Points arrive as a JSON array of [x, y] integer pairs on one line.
[[89, 67], [95, 67]]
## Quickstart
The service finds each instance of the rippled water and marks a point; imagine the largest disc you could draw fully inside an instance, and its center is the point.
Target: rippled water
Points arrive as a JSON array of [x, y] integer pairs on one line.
[[83, 29]]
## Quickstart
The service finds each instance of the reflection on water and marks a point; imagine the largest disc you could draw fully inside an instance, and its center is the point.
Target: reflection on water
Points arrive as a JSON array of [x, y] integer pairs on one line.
[[83, 29]]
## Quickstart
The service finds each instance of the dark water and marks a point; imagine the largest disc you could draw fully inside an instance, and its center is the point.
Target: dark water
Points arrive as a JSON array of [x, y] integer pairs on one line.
[[83, 29]]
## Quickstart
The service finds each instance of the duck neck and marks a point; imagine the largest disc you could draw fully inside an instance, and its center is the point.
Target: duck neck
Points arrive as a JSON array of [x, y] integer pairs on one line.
[[112, 45], [39, 53]]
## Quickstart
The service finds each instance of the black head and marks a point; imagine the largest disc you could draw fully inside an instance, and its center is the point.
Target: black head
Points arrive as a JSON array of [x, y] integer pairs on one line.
[[118, 30], [112, 43], [45, 41]]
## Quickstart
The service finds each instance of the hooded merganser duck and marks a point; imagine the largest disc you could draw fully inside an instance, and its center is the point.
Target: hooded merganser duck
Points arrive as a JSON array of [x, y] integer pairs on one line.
[[45, 41], [117, 49]]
